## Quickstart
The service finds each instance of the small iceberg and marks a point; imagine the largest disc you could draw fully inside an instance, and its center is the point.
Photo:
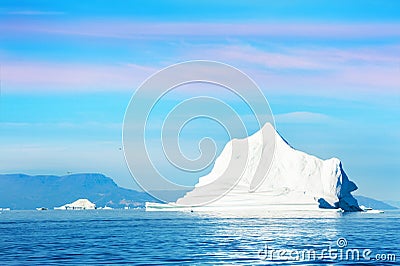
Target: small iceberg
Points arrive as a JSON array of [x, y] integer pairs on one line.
[[80, 204], [105, 208], [5, 209], [374, 211], [364, 208], [42, 209], [370, 210]]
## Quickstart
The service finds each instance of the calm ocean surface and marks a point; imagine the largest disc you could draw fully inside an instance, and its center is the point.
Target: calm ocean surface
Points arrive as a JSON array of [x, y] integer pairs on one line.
[[153, 238]]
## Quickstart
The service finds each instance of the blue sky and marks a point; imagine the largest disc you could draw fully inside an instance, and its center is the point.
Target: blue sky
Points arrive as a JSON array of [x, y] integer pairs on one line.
[[331, 73]]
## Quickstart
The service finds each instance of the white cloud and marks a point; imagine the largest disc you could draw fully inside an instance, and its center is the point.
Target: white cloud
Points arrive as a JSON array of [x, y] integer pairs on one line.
[[303, 117]]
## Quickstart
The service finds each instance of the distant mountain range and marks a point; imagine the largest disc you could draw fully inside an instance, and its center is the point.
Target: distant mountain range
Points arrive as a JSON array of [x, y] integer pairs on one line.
[[393, 203], [374, 204], [20, 191]]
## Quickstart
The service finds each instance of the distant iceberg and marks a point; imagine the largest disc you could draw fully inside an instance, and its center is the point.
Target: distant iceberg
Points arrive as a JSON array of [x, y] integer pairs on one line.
[[80, 204], [294, 180], [105, 208]]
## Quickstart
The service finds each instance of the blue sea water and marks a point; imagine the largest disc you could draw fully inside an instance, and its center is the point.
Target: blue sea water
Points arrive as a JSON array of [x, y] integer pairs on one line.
[[137, 237]]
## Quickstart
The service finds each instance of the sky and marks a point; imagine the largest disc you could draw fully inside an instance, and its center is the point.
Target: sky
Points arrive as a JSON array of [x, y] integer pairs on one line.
[[330, 71]]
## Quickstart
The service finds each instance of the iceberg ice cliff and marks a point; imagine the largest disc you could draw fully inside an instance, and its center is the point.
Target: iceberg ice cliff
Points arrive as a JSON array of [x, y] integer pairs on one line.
[[290, 180]]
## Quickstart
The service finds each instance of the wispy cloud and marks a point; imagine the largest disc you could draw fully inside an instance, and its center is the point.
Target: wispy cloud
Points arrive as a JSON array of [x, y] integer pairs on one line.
[[61, 125], [314, 57], [313, 69], [251, 55], [310, 68], [34, 13], [273, 71], [303, 118], [129, 29], [72, 77]]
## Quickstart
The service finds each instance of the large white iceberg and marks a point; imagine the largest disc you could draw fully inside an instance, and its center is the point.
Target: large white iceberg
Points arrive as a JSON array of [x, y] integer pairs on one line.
[[288, 180]]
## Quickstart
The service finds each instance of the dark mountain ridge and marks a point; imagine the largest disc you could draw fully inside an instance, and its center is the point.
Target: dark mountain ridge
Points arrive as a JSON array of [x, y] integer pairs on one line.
[[20, 191]]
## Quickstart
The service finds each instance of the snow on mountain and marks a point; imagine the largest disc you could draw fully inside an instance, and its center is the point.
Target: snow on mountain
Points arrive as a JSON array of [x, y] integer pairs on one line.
[[288, 180]]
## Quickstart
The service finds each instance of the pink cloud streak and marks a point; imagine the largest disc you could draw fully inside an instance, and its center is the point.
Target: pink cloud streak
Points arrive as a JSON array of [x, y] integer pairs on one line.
[[40, 76], [134, 30]]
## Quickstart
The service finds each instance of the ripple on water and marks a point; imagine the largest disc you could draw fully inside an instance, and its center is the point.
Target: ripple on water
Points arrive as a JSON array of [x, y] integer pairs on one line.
[[138, 237]]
